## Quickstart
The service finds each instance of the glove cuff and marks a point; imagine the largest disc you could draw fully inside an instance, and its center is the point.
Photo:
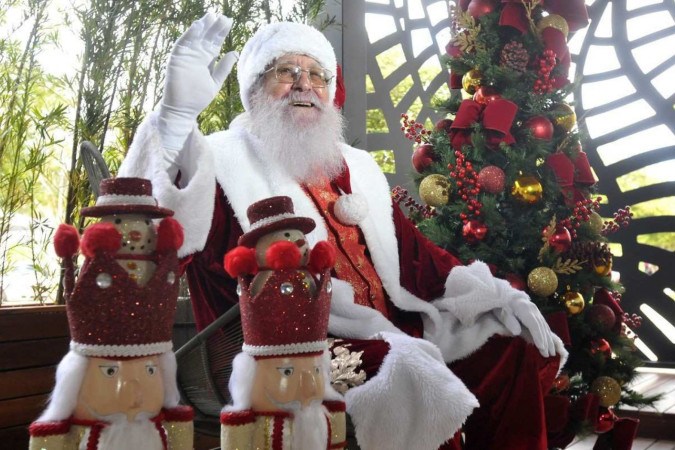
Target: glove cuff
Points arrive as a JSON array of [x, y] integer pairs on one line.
[[174, 127]]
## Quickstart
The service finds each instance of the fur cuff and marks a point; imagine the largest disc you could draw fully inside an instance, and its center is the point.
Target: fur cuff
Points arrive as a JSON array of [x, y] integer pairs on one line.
[[413, 387]]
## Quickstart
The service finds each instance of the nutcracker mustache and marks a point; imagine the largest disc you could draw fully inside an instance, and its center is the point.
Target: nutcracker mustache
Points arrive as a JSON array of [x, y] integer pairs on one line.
[[302, 142]]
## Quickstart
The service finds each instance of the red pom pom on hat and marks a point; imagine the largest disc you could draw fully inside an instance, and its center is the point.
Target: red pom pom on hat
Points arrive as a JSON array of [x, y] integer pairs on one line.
[[66, 241], [169, 235], [283, 255], [322, 257], [240, 261], [100, 237]]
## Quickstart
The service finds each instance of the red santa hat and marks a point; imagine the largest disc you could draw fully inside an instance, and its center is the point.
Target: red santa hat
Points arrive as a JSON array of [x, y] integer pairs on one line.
[[126, 196], [278, 39], [284, 318]]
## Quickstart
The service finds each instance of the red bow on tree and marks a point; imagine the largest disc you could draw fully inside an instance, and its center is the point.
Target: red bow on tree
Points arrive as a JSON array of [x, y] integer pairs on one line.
[[573, 11], [571, 175], [496, 117]]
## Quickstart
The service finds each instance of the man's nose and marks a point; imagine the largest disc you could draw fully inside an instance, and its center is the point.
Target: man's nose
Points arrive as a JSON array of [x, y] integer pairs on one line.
[[309, 387], [303, 82]]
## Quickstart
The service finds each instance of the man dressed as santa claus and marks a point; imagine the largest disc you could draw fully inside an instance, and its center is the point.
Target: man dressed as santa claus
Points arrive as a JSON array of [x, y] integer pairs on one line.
[[116, 388], [419, 306]]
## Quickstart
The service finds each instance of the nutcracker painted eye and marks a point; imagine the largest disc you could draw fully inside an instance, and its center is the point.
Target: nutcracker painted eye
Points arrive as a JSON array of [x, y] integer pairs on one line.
[[285, 371], [109, 371], [147, 221], [118, 221], [151, 369], [287, 235], [317, 370]]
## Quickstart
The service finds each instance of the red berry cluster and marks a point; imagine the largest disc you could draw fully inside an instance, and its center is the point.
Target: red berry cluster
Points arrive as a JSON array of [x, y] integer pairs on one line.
[[581, 213], [543, 83], [468, 187], [621, 220], [400, 195], [414, 130], [633, 321]]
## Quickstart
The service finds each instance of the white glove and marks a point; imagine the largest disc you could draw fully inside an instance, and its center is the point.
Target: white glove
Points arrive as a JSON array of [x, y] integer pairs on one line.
[[193, 79], [471, 291]]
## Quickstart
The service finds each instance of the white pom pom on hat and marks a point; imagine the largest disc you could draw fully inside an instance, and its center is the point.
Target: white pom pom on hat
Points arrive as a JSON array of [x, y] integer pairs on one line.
[[278, 39], [350, 208]]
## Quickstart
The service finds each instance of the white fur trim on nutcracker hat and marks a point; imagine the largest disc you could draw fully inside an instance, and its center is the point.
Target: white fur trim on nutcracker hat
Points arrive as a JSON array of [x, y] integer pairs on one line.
[[278, 39]]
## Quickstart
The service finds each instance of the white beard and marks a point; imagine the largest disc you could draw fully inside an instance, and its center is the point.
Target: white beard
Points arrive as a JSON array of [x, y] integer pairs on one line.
[[310, 427], [122, 434], [303, 142]]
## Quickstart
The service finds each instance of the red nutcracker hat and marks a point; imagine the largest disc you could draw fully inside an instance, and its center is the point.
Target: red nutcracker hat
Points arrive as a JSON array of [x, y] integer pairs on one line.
[[272, 214], [109, 314], [284, 318], [125, 196]]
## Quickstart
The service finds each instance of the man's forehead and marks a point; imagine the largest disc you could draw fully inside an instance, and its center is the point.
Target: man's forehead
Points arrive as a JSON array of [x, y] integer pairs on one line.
[[296, 58]]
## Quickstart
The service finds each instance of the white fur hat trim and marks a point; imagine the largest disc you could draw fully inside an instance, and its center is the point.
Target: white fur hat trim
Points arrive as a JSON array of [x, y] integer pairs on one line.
[[278, 39], [350, 209]]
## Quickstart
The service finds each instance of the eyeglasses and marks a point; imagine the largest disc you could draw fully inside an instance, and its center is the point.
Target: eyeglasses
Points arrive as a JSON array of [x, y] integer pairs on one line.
[[290, 73]]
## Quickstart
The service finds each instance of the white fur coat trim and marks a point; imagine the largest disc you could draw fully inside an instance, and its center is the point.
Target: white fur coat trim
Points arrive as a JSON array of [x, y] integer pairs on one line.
[[192, 202], [418, 402]]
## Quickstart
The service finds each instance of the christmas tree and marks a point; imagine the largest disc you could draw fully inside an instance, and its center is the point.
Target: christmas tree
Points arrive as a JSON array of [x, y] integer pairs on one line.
[[504, 180]]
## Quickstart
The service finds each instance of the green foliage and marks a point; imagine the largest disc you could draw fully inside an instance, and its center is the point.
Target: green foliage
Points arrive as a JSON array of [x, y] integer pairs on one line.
[[125, 46], [517, 241]]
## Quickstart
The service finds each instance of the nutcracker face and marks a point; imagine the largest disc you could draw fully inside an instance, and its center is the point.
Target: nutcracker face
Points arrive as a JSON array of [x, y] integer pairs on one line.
[[139, 235], [295, 236], [287, 383], [127, 386]]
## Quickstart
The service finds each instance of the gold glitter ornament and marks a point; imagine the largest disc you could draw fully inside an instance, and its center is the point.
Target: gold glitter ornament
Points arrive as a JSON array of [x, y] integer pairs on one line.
[[574, 302], [565, 117], [472, 81], [608, 390], [435, 190], [595, 222], [527, 189], [554, 21], [603, 266], [542, 281]]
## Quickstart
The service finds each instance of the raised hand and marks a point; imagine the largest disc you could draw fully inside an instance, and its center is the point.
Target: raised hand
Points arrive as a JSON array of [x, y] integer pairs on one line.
[[193, 78]]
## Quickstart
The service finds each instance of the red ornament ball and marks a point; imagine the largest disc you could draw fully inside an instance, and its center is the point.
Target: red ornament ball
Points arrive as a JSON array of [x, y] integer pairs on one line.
[[474, 231], [486, 94], [478, 8], [562, 382], [540, 126], [491, 179], [422, 157], [443, 125], [561, 239], [516, 281], [601, 317], [605, 422], [601, 346]]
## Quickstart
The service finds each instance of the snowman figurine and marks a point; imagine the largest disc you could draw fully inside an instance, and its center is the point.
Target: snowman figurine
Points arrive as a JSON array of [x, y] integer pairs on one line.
[[276, 240]]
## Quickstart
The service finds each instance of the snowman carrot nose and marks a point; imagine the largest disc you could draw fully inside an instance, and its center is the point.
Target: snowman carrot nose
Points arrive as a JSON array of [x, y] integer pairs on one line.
[[300, 242], [135, 235]]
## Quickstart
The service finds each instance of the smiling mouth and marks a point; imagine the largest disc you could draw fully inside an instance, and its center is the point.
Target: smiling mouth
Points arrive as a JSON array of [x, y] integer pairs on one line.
[[303, 104]]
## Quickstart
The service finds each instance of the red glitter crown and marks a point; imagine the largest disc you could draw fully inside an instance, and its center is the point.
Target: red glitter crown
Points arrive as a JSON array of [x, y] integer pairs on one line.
[[110, 315], [284, 318]]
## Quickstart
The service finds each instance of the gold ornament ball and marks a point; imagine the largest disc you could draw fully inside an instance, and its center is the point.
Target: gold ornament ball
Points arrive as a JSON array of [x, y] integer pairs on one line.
[[595, 222], [565, 117], [608, 390], [542, 281], [554, 21], [472, 80], [603, 267], [574, 302], [527, 189], [435, 190]]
